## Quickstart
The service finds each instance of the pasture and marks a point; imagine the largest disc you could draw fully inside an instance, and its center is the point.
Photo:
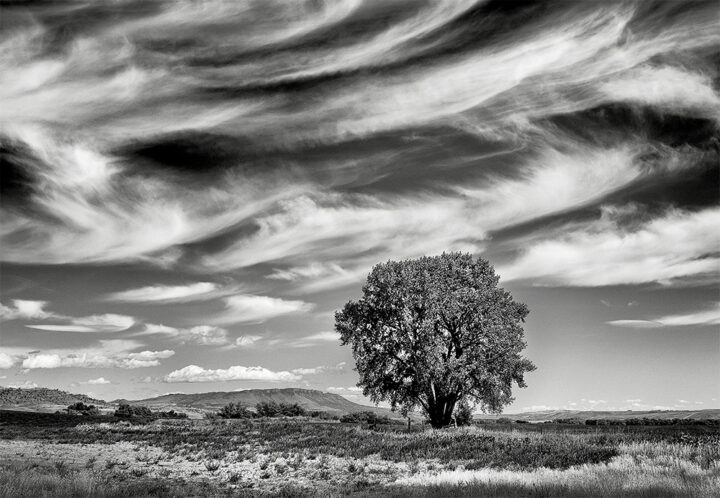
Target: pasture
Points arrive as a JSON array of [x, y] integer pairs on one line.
[[62, 455]]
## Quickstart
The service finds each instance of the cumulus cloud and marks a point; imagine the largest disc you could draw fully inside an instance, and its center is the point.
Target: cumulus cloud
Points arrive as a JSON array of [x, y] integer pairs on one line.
[[27, 384], [206, 335], [96, 323], [707, 317], [200, 291], [120, 353], [194, 373], [24, 309], [6, 361], [143, 359], [679, 244], [245, 308], [98, 381]]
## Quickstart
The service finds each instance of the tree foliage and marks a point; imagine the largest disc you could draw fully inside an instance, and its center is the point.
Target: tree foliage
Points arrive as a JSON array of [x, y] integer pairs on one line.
[[433, 331]]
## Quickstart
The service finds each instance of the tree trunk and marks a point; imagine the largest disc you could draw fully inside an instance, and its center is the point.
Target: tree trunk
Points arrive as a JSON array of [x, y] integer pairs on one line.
[[440, 413]]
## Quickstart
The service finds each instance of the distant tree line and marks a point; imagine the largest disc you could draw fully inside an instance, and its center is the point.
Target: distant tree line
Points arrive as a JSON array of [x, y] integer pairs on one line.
[[127, 411], [124, 411], [264, 409]]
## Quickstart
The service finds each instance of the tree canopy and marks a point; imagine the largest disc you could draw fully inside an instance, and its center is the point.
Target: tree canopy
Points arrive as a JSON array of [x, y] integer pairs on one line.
[[434, 331]]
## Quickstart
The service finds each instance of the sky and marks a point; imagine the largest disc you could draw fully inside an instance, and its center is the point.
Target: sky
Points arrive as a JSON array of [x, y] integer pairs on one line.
[[190, 189]]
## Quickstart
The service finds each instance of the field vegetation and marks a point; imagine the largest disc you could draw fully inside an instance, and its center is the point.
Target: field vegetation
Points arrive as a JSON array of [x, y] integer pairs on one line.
[[65, 455]]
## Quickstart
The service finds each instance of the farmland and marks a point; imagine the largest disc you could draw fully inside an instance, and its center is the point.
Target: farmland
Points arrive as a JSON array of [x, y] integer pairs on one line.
[[63, 455]]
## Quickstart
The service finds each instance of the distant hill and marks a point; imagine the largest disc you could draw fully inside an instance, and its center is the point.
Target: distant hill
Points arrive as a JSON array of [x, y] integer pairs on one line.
[[42, 399], [309, 399], [593, 415]]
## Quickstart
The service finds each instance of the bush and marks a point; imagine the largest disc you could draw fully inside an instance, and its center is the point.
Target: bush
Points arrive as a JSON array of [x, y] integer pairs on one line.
[[171, 414], [463, 414], [130, 411], [83, 409], [234, 410], [365, 417], [323, 415]]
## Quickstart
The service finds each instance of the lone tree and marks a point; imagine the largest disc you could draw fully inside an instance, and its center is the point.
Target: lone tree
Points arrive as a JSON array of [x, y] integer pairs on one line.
[[436, 331]]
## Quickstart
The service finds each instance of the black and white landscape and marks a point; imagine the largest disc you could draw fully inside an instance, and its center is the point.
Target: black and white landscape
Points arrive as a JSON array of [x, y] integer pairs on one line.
[[279, 218]]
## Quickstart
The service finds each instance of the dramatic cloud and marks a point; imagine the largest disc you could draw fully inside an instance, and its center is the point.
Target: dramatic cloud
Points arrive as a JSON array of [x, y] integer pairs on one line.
[[194, 373], [72, 115], [257, 309], [679, 244], [95, 323], [708, 317]]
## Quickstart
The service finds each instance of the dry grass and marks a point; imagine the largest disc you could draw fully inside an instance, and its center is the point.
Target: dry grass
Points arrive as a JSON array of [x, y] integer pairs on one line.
[[292, 458]]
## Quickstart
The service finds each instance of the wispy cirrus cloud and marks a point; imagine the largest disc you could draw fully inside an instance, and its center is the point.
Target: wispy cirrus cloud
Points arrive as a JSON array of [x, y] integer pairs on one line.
[[701, 318], [108, 322], [194, 373], [311, 340], [154, 294], [678, 244]]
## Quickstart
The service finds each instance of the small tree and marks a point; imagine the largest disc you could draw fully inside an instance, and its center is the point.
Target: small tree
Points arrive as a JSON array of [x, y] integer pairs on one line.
[[433, 331]]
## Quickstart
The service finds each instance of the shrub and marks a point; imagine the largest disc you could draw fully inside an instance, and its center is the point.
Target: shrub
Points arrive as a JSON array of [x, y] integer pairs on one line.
[[171, 414], [463, 414], [365, 417], [83, 409], [234, 410], [130, 411]]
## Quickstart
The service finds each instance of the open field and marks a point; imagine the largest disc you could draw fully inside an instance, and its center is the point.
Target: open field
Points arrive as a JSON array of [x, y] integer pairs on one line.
[[60, 455]]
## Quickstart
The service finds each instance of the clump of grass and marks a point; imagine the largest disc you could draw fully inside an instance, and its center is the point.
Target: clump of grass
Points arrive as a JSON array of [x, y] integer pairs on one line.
[[213, 465]]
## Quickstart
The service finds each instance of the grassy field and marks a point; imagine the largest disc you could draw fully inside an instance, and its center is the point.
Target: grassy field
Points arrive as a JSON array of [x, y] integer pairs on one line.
[[60, 455]]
